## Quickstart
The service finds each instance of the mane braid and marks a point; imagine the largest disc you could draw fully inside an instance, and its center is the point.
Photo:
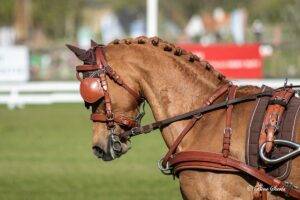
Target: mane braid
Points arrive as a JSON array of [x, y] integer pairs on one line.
[[170, 47]]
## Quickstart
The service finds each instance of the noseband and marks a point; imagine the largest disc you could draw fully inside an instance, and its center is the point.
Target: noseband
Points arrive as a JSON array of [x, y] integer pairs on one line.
[[95, 87]]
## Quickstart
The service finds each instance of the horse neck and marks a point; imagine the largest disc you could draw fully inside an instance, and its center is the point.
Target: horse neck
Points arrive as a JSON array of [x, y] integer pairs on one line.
[[172, 85]]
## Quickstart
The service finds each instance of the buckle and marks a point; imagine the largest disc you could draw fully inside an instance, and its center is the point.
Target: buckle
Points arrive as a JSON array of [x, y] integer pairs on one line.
[[198, 116], [134, 131], [110, 117], [228, 130], [165, 170]]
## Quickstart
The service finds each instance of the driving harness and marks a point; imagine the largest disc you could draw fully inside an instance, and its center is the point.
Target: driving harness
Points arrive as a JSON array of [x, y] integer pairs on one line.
[[94, 87]]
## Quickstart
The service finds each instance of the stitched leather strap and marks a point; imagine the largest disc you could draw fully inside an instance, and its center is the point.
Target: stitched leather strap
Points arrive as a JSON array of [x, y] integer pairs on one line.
[[107, 100], [182, 159], [273, 116], [228, 129], [120, 119], [114, 76], [85, 68]]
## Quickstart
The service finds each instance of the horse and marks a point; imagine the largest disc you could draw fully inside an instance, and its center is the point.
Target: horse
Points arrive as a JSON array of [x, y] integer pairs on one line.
[[174, 81]]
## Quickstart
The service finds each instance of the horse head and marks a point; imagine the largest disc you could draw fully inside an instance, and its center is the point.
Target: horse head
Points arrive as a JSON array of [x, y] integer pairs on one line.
[[114, 110]]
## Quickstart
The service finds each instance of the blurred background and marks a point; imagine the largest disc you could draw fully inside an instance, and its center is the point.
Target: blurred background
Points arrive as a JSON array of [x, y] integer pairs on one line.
[[44, 128]]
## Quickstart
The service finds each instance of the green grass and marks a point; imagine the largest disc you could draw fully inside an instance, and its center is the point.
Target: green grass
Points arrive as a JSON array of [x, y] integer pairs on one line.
[[45, 153]]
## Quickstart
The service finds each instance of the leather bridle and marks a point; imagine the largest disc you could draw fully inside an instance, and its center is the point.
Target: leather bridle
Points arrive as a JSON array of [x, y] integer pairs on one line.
[[95, 87]]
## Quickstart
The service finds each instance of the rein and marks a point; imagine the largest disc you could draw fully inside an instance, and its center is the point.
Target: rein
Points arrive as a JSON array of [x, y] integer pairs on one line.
[[198, 112]]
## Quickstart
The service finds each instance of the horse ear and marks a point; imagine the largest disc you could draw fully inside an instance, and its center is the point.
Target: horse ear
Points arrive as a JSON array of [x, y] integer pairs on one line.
[[80, 53], [93, 43]]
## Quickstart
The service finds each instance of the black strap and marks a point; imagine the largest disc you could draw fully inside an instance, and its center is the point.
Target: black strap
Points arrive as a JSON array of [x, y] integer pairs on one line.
[[200, 111]]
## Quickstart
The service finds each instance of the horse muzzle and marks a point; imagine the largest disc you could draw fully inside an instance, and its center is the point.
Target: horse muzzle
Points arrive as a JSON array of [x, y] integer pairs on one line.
[[115, 148]]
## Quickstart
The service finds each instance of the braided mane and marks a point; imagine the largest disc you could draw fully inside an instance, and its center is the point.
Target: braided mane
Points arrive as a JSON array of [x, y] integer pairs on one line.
[[171, 48]]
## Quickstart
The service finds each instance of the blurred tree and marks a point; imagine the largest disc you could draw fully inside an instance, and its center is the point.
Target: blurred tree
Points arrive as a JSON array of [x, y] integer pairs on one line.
[[269, 11], [54, 16], [6, 12], [61, 18], [22, 22]]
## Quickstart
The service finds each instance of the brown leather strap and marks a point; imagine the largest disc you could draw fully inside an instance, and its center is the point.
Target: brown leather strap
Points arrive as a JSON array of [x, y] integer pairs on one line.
[[217, 93], [228, 129], [258, 191], [174, 146], [207, 157], [84, 68], [273, 116], [107, 100], [114, 76], [118, 118]]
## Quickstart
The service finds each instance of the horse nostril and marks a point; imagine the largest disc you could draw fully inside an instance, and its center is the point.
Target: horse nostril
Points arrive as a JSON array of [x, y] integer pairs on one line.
[[98, 151]]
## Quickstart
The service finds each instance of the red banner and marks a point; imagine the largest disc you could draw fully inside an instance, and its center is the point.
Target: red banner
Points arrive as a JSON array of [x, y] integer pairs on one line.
[[234, 61]]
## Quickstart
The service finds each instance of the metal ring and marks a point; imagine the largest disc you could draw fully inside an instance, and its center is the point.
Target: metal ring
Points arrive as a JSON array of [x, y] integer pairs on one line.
[[290, 155], [165, 170], [134, 131]]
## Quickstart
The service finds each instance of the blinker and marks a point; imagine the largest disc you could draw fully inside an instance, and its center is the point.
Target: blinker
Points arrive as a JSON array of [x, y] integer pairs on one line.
[[91, 90]]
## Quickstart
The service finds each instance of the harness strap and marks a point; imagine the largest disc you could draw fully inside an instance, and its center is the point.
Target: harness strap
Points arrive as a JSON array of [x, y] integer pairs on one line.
[[100, 60], [273, 116], [85, 68], [182, 160], [228, 129], [217, 93], [118, 118], [115, 77]]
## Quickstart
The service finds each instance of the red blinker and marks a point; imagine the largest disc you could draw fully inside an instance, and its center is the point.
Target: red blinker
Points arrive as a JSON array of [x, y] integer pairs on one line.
[[91, 90]]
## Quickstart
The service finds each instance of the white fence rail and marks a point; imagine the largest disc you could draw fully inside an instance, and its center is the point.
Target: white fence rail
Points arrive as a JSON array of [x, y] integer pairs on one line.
[[20, 94]]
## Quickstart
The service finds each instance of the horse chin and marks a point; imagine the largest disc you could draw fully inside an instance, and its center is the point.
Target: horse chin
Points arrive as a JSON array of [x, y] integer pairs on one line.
[[107, 157]]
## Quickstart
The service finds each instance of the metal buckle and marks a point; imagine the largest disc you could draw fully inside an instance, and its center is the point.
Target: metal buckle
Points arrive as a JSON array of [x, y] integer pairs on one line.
[[198, 116], [134, 131], [110, 117], [229, 129], [140, 115], [165, 170], [290, 185]]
